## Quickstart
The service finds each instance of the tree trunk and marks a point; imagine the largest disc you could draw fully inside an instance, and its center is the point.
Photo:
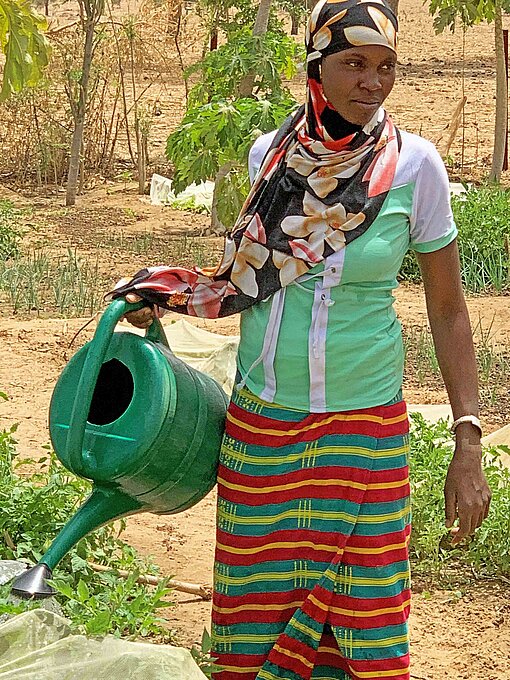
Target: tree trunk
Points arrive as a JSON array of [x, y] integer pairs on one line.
[[260, 28], [141, 165], [79, 121], [294, 25], [217, 226], [500, 127]]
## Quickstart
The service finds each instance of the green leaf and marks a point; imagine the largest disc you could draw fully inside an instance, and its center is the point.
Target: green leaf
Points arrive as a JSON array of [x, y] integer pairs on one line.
[[64, 589], [24, 44], [82, 591], [99, 624]]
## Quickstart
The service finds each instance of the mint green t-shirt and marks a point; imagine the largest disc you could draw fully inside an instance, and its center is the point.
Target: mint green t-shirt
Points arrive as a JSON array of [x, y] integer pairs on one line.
[[331, 340]]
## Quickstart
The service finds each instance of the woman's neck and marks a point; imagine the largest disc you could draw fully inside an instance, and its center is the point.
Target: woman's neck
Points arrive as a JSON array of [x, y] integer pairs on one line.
[[336, 126]]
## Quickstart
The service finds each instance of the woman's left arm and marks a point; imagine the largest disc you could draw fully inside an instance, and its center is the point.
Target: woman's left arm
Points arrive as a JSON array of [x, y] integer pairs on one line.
[[467, 495]]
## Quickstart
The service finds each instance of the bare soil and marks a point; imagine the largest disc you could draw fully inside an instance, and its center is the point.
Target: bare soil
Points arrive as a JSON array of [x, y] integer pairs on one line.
[[456, 634]]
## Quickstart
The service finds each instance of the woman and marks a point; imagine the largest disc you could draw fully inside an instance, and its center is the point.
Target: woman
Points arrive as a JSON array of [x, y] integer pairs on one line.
[[312, 571]]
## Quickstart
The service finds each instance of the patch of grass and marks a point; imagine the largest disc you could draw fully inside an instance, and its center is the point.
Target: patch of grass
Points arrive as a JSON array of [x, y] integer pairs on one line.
[[489, 550], [493, 361], [419, 353], [481, 215], [181, 251], [484, 237], [191, 251], [139, 244], [40, 282], [74, 285]]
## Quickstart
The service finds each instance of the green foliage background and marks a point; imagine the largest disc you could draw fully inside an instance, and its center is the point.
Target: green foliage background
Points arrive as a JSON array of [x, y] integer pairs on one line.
[[219, 126], [482, 218], [9, 230]]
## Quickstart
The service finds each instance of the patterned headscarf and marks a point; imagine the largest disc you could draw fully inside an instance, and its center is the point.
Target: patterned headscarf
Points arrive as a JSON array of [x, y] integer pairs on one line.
[[313, 194]]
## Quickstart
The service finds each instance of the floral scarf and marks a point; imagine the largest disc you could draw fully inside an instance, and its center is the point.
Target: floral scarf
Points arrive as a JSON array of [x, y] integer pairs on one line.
[[313, 194]]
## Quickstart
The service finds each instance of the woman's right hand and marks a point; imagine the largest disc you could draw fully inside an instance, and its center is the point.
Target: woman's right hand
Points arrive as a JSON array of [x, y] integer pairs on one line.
[[141, 318]]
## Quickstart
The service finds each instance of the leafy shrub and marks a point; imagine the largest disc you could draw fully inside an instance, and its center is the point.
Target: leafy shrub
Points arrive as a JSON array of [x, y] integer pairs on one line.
[[271, 56], [482, 218], [212, 134], [431, 550], [9, 230], [221, 132], [226, 114], [34, 509]]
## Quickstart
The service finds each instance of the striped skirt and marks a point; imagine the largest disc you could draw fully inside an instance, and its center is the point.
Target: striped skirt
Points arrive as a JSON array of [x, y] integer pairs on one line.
[[311, 569]]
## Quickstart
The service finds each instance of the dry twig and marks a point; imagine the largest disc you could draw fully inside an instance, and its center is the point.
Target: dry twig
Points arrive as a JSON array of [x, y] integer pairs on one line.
[[192, 588], [453, 127]]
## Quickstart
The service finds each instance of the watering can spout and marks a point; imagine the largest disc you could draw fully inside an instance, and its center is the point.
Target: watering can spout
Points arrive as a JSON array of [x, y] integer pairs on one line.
[[33, 583], [103, 505]]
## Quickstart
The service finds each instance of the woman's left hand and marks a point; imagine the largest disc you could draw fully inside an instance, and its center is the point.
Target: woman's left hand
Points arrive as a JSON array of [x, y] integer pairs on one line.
[[467, 494]]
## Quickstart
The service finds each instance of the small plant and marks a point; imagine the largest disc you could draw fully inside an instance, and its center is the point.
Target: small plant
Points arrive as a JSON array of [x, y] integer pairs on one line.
[[189, 204], [121, 607], [202, 656]]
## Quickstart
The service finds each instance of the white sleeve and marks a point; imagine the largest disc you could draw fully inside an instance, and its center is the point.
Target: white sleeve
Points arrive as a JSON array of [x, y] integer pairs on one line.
[[432, 223], [257, 153]]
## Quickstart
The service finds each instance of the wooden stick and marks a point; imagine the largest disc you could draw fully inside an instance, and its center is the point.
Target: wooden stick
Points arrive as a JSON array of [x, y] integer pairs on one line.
[[453, 126], [192, 588]]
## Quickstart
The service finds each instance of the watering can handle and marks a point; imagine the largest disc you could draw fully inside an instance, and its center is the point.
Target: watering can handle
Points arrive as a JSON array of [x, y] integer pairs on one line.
[[90, 372]]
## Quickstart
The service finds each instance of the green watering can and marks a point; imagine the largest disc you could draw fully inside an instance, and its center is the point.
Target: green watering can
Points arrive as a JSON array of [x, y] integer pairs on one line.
[[141, 424]]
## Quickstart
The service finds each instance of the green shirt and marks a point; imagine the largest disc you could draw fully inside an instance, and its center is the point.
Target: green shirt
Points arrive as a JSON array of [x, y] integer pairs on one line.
[[331, 340]]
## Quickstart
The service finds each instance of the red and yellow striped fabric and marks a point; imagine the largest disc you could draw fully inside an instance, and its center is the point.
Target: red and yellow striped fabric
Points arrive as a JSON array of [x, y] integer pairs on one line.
[[312, 571]]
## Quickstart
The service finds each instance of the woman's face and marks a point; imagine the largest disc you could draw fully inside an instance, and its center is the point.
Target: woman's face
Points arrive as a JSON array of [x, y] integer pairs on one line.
[[358, 80]]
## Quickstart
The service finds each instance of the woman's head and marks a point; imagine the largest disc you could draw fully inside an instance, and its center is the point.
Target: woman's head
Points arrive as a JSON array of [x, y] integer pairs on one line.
[[357, 81], [351, 58]]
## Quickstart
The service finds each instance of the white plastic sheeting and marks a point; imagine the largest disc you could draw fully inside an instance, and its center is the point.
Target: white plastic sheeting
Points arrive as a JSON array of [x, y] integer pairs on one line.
[[39, 645], [211, 353], [162, 193]]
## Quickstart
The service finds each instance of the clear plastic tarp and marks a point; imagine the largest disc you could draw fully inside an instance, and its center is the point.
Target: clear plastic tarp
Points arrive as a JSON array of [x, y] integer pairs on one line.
[[39, 645]]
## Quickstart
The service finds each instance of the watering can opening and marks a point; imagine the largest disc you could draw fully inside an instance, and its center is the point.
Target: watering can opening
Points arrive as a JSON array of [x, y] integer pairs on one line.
[[112, 394]]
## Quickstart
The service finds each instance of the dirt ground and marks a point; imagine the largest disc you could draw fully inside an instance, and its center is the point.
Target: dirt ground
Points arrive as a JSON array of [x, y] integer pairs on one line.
[[456, 635]]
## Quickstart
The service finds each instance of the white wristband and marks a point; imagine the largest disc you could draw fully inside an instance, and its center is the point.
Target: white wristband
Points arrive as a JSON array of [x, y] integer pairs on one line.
[[467, 419]]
